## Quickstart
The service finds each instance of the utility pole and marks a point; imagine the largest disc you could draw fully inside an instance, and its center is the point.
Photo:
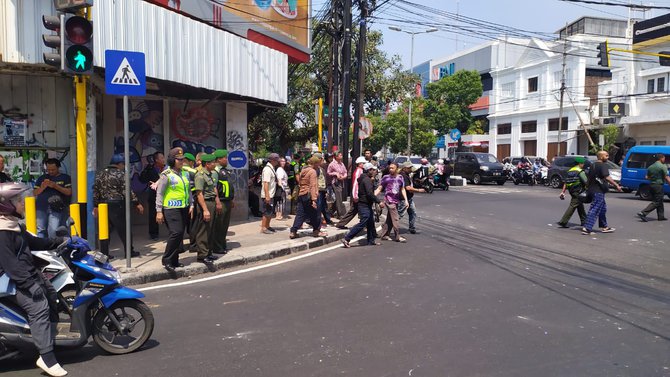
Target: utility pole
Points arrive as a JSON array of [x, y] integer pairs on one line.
[[409, 114], [560, 109], [346, 81], [360, 83], [336, 20]]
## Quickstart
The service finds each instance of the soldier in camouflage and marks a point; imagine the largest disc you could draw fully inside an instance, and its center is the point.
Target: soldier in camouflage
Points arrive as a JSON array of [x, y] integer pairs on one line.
[[109, 187]]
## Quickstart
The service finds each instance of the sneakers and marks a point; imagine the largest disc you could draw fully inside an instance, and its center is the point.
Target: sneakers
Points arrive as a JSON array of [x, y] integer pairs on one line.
[[402, 240], [346, 243], [267, 231], [55, 370], [386, 238], [642, 217], [607, 230], [413, 231], [292, 236], [587, 232], [319, 234], [561, 225]]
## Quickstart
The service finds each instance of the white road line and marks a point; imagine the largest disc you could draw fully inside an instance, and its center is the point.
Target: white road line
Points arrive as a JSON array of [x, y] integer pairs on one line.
[[250, 269]]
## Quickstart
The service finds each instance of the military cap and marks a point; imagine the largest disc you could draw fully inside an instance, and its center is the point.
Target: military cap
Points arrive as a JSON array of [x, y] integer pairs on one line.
[[220, 153], [580, 160], [189, 157], [117, 158], [207, 158]]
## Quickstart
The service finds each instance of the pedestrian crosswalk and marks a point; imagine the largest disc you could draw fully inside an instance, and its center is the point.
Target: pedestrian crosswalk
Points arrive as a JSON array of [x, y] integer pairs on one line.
[[489, 189]]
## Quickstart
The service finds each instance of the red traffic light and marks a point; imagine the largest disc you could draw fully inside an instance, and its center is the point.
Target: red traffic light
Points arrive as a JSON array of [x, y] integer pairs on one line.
[[78, 30]]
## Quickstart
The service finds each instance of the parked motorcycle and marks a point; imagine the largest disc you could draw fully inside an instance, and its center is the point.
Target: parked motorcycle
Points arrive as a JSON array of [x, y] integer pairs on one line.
[[103, 309], [523, 175]]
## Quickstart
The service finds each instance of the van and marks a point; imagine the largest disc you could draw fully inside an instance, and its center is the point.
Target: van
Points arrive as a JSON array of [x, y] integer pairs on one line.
[[635, 165], [479, 167]]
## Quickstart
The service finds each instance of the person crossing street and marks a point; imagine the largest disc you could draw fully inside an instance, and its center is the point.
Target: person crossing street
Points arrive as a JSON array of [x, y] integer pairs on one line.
[[657, 174], [174, 206], [366, 198], [575, 183]]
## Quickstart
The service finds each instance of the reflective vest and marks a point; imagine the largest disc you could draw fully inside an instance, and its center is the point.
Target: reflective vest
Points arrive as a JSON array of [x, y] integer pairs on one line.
[[177, 189], [191, 176], [226, 191], [572, 179]]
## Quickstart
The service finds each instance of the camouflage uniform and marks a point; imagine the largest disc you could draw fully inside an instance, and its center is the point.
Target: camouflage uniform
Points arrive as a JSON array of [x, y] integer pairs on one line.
[[109, 187]]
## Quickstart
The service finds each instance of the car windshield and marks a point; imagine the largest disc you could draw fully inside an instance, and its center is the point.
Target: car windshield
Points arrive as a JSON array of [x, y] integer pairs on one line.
[[400, 160], [612, 165], [415, 160], [487, 158]]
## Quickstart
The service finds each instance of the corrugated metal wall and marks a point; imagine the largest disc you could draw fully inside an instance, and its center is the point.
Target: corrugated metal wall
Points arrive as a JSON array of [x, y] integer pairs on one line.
[[177, 48]]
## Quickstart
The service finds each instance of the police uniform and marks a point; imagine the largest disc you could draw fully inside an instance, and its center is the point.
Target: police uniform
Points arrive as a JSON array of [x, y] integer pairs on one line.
[[173, 200], [205, 185], [109, 187], [226, 192], [575, 183]]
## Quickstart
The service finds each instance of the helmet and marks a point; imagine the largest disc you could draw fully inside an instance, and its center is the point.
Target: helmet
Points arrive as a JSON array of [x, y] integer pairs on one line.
[[369, 166], [10, 195], [441, 161], [361, 160], [424, 160]]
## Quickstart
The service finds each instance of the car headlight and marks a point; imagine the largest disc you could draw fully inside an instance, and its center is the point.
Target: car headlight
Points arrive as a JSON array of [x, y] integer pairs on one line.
[[485, 168]]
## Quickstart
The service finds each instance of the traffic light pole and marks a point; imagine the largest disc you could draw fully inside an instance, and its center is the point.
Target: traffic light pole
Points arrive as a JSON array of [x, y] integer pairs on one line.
[[82, 148]]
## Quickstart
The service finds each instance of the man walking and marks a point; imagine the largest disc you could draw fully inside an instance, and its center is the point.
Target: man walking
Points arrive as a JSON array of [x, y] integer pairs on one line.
[[174, 206], [52, 191], [366, 198], [575, 183], [353, 208], [207, 207], [657, 173], [394, 187], [308, 198], [225, 190], [599, 176], [109, 187], [268, 192], [149, 175], [338, 175], [410, 189]]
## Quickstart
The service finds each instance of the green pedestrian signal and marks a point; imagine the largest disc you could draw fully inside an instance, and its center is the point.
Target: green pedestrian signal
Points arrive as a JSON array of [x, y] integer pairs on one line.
[[78, 45], [79, 59]]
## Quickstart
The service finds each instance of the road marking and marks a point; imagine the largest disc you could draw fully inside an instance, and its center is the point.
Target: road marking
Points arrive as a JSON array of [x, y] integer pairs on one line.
[[481, 190], [251, 269]]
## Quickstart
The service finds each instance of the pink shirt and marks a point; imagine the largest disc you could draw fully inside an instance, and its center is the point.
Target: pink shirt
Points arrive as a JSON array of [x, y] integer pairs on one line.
[[334, 169]]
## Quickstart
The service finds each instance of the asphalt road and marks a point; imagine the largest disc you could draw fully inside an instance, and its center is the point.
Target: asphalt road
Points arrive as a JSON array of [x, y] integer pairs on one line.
[[490, 287]]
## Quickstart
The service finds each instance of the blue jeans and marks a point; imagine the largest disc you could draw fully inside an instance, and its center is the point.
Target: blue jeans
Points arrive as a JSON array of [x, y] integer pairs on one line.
[[411, 211], [367, 220], [322, 206], [48, 221], [598, 210], [306, 213]]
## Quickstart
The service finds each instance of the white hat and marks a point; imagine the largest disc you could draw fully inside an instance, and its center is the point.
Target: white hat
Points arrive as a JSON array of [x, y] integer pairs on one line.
[[369, 166], [361, 160]]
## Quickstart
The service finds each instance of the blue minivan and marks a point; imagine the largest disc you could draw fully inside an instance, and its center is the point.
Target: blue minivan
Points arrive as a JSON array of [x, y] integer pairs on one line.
[[634, 168]]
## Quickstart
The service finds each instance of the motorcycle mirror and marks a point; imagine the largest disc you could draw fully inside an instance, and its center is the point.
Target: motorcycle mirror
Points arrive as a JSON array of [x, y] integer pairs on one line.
[[61, 231], [69, 222]]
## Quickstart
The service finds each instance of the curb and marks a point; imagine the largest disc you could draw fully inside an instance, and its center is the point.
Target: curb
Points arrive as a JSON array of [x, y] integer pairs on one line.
[[254, 254]]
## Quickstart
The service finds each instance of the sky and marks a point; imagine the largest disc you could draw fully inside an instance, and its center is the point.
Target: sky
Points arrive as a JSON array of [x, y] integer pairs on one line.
[[545, 16]]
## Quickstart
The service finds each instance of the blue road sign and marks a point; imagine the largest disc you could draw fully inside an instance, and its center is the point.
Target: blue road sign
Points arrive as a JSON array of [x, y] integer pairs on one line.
[[455, 134], [237, 159], [125, 73]]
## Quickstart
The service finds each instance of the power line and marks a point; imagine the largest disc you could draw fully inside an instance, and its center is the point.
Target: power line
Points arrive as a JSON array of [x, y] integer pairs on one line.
[[609, 3]]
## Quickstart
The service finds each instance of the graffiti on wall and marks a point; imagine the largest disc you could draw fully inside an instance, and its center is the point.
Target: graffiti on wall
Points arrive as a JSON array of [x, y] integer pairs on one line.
[[195, 127]]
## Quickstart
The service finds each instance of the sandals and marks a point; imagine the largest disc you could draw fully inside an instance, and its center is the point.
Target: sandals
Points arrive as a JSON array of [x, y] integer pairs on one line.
[[607, 230], [319, 234]]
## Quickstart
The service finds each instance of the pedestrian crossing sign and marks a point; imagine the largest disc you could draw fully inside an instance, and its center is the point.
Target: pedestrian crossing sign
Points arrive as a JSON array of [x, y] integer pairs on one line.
[[125, 73]]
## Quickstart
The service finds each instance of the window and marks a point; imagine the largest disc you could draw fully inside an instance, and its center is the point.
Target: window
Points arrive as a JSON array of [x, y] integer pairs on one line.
[[529, 127], [659, 142], [640, 160], [505, 129], [650, 86], [532, 85], [553, 124], [660, 84], [507, 90]]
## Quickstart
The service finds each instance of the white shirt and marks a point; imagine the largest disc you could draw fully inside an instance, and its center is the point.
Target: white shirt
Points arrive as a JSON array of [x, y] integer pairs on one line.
[[269, 176], [282, 176]]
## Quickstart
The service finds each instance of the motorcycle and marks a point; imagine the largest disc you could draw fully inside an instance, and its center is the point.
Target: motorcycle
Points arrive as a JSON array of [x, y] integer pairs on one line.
[[102, 308], [55, 269], [541, 177], [523, 175], [425, 183], [441, 181]]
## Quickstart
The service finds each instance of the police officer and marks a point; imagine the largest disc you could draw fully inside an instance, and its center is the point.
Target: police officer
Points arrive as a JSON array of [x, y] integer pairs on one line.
[[575, 182], [206, 205], [110, 187], [226, 193], [173, 206], [657, 173]]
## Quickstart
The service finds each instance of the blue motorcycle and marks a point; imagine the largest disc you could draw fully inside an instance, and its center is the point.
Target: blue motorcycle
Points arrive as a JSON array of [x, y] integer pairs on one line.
[[103, 309]]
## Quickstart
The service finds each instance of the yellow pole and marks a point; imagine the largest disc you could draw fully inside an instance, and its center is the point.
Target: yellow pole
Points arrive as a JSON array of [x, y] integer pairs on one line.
[[31, 215], [320, 120], [82, 184], [103, 222], [74, 213]]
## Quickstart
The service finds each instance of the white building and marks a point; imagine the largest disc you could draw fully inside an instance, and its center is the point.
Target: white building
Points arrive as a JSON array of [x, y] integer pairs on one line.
[[639, 88], [525, 106]]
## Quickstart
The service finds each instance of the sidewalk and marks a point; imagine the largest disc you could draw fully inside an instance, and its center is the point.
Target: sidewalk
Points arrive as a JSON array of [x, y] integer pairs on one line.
[[247, 243]]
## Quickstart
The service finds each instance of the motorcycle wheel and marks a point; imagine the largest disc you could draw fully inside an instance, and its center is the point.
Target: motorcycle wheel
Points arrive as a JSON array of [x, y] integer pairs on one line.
[[516, 181], [130, 314], [429, 188]]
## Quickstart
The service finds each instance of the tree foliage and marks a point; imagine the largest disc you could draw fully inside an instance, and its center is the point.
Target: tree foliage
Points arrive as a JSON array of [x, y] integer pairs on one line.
[[449, 100]]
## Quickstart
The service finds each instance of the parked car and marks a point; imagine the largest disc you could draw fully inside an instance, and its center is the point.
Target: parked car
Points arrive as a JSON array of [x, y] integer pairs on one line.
[[415, 160], [634, 169], [559, 169], [479, 167]]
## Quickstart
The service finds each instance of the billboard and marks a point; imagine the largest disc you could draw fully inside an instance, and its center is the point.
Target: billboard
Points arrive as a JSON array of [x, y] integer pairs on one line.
[[283, 25], [651, 32]]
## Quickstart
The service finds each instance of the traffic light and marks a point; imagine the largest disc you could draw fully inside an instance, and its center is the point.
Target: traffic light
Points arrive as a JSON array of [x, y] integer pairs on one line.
[[664, 60], [78, 45], [603, 55], [53, 23]]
